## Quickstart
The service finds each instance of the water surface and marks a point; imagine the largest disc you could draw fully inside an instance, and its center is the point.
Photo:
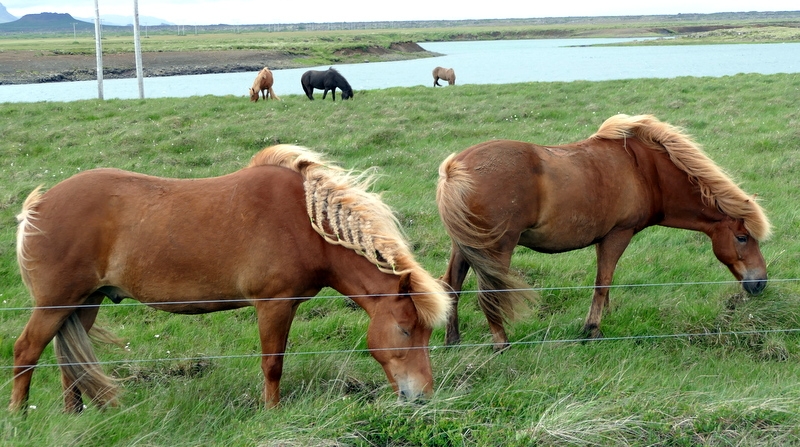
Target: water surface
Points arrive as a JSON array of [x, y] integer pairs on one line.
[[482, 62]]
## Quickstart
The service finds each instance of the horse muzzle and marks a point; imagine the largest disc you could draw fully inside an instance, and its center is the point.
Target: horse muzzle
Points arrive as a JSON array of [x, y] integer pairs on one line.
[[753, 285], [411, 391]]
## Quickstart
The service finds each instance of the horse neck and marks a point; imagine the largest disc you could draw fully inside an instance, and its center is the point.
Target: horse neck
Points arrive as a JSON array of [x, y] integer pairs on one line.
[[683, 204], [354, 276]]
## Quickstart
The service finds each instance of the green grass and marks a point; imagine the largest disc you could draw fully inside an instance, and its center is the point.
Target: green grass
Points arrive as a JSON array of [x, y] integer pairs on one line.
[[725, 371]]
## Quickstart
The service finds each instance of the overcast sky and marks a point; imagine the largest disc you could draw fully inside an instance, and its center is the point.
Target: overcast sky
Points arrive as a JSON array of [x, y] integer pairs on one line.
[[242, 12]]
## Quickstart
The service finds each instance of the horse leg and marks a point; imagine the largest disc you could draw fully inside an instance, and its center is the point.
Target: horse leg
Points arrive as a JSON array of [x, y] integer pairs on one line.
[[454, 276], [608, 250], [274, 321], [42, 326], [324, 93], [436, 82]]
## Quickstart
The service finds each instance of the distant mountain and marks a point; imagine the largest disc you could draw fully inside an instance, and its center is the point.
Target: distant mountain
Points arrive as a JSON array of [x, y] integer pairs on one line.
[[46, 22], [5, 16]]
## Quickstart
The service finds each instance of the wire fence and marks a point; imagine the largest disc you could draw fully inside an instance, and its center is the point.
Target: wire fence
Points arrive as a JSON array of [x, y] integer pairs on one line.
[[431, 347]]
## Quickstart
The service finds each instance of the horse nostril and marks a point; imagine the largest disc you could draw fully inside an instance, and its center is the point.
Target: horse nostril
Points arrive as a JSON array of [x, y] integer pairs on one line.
[[754, 286]]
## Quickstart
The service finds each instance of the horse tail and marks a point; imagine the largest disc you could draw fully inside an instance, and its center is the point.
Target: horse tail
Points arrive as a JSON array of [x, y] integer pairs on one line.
[[80, 366], [26, 227], [272, 94], [501, 294]]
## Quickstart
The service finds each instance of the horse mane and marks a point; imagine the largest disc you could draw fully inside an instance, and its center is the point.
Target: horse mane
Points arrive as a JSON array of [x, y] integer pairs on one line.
[[344, 212], [715, 185]]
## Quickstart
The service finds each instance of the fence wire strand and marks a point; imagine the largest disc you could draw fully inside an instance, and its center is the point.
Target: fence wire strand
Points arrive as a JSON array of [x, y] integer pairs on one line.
[[432, 347]]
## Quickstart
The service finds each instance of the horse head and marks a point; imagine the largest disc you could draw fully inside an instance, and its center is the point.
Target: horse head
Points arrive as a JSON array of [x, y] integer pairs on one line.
[[735, 247]]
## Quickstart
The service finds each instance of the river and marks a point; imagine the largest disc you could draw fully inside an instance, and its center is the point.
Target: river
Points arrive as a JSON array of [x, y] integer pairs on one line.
[[482, 62]]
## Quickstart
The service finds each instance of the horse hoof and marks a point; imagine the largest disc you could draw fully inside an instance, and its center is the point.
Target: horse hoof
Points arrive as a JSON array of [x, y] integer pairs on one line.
[[501, 347], [453, 341], [592, 332]]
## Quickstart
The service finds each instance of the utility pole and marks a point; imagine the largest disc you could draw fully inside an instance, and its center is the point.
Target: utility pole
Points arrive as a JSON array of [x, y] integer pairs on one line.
[[137, 44], [99, 50]]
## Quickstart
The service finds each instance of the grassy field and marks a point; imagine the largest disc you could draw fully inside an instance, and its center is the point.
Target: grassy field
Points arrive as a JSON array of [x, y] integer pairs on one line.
[[688, 359]]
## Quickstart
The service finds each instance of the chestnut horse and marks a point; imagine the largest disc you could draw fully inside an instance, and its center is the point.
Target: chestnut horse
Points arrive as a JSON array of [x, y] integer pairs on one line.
[[445, 74], [269, 236], [263, 82], [633, 173]]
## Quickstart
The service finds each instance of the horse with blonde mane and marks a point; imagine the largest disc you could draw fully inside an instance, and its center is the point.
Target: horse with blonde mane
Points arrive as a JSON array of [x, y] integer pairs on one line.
[[270, 236], [634, 172], [445, 74], [262, 83]]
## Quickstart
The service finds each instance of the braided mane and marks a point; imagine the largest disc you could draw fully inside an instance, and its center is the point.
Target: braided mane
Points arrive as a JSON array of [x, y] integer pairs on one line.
[[715, 185], [344, 212]]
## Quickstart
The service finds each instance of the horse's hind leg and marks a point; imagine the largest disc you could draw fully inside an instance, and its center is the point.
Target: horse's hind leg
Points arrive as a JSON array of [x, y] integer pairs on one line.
[[454, 277], [42, 326]]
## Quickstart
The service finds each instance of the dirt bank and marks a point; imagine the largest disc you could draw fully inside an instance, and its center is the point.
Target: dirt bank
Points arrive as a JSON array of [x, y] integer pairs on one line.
[[30, 67]]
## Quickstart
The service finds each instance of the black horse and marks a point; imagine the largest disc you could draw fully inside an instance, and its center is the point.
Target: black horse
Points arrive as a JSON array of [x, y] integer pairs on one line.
[[326, 80]]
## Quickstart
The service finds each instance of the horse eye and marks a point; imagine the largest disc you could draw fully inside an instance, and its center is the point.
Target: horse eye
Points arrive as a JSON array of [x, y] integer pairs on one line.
[[404, 331], [742, 239]]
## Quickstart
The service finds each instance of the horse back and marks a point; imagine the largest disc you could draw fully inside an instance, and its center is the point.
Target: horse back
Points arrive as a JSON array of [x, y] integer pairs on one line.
[[557, 198], [160, 239]]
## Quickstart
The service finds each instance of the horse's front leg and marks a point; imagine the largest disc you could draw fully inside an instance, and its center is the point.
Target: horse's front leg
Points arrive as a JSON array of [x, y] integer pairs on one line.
[[454, 276], [274, 321], [608, 250], [324, 93]]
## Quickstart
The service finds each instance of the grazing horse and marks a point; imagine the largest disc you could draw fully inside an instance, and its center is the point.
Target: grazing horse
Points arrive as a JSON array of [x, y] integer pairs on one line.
[[263, 82], [270, 236], [445, 74], [329, 79], [633, 173]]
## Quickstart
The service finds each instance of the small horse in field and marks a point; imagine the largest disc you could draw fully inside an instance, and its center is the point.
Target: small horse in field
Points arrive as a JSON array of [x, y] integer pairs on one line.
[[269, 236], [263, 83], [329, 79], [445, 74], [634, 172]]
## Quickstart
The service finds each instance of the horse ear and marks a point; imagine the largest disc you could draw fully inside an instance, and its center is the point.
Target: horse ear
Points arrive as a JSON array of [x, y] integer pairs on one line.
[[405, 284]]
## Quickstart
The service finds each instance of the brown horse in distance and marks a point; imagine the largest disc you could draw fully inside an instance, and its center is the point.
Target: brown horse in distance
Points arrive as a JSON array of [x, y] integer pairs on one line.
[[271, 236], [262, 83], [445, 74], [634, 172]]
